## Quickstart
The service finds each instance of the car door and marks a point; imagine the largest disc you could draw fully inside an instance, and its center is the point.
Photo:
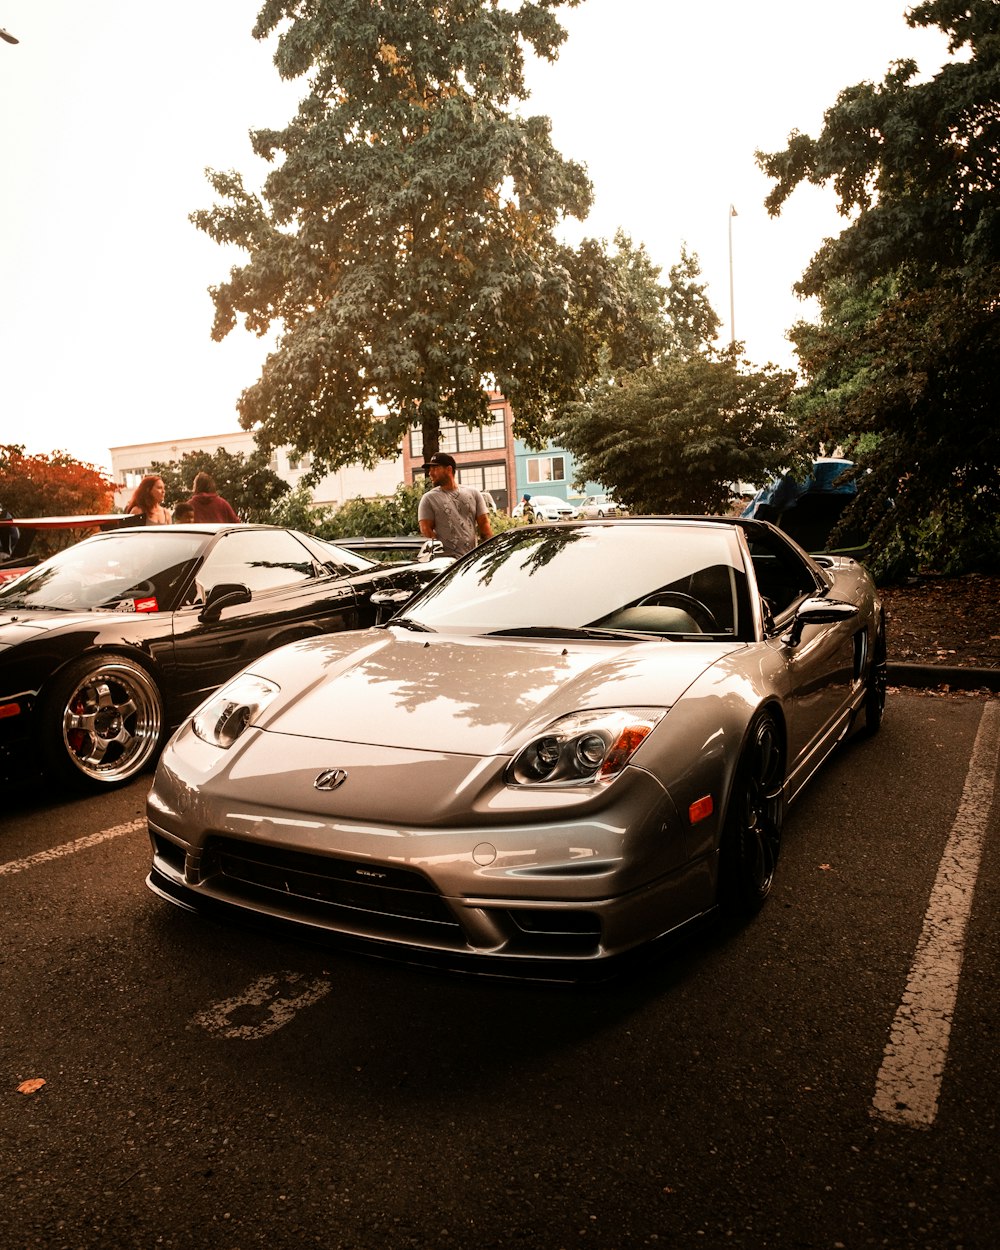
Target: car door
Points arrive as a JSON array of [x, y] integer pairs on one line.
[[292, 596], [818, 668]]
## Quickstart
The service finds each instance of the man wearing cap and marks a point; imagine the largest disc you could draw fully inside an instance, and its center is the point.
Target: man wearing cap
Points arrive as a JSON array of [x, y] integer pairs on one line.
[[451, 513]]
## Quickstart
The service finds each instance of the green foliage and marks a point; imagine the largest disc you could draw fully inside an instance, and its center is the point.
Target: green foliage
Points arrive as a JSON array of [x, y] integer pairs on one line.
[[692, 322], [403, 244], [674, 436], [296, 510], [51, 484], [391, 516], [901, 368], [247, 482]]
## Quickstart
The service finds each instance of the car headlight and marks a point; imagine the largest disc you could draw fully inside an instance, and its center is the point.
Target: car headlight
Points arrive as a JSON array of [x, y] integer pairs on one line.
[[584, 747], [222, 718]]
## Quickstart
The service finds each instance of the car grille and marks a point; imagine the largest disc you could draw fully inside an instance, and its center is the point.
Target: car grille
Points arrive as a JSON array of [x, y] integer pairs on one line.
[[397, 901]]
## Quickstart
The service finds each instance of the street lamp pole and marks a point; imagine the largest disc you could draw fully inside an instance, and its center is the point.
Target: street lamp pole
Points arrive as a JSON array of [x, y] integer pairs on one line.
[[732, 303]]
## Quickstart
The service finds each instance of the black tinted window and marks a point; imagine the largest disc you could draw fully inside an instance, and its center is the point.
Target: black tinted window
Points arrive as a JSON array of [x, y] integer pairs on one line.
[[258, 559]]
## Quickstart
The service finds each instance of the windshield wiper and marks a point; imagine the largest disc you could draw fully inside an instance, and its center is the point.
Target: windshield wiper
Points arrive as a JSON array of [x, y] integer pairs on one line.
[[25, 605], [408, 622], [569, 631]]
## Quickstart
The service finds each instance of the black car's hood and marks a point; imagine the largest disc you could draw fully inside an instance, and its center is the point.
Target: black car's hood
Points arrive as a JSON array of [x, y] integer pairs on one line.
[[25, 623]]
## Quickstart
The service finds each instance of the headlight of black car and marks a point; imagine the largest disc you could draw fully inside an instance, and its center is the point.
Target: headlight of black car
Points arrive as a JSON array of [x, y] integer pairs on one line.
[[584, 747]]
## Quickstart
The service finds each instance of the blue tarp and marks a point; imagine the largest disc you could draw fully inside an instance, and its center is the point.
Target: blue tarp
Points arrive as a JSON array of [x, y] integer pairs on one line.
[[810, 510], [786, 492]]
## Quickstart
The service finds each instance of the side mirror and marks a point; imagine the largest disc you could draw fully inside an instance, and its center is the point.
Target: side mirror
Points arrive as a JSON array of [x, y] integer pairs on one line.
[[818, 611], [388, 602], [431, 549], [223, 596]]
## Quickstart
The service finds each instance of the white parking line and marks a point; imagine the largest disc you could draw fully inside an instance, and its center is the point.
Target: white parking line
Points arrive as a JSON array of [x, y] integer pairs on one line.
[[264, 1007], [908, 1085], [70, 848]]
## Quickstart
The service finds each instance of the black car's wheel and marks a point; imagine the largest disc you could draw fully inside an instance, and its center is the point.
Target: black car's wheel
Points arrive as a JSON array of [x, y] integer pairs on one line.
[[751, 835], [101, 721], [875, 686]]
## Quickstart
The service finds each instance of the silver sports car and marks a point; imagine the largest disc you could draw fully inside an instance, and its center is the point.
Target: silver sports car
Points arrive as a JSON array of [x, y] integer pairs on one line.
[[576, 740]]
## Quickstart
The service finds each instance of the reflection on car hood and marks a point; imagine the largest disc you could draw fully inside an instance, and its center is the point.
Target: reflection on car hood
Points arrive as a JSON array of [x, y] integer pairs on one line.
[[20, 624], [465, 695]]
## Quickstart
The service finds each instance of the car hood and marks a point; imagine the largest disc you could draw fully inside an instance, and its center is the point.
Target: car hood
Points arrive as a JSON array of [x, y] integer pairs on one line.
[[21, 624], [461, 695]]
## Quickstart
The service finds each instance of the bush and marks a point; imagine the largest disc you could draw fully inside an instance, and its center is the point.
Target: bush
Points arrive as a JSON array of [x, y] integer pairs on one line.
[[390, 516]]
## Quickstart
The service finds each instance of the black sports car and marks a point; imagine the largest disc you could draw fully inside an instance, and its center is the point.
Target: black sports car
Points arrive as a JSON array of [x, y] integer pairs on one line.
[[106, 645]]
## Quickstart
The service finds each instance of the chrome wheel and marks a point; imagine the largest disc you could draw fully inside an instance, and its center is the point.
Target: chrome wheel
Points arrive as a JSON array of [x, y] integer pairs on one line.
[[751, 837], [103, 721]]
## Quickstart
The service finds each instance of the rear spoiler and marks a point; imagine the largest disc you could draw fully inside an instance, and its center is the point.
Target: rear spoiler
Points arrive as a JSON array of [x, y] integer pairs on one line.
[[27, 527]]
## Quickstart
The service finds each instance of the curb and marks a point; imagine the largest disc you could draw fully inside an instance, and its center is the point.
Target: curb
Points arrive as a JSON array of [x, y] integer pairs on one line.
[[941, 675]]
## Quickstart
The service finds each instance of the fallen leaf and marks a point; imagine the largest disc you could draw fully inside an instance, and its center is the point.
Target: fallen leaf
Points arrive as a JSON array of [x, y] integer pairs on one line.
[[826, 867], [29, 1087]]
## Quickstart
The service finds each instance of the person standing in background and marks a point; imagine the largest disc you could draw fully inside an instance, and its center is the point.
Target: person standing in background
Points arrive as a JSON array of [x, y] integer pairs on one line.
[[451, 513], [208, 504], [183, 512], [147, 501]]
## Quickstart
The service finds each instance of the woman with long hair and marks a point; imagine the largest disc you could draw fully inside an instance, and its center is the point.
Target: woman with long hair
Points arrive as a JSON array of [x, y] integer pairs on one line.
[[147, 501]]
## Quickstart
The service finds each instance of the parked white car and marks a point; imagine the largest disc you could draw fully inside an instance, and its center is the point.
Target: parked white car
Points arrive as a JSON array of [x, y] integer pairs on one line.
[[546, 508], [599, 506]]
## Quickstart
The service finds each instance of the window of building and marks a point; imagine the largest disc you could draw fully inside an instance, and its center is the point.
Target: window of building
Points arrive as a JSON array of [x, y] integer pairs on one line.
[[546, 469], [490, 477], [455, 438]]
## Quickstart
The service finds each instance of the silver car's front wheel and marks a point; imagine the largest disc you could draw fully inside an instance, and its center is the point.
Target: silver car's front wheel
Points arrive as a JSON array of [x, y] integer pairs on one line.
[[751, 836], [102, 721]]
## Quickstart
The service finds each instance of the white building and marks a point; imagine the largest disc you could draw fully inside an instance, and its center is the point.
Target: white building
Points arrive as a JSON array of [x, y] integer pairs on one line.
[[129, 464]]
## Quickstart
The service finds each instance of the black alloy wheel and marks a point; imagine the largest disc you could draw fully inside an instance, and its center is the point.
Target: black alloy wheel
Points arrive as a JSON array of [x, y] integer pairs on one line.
[[751, 835]]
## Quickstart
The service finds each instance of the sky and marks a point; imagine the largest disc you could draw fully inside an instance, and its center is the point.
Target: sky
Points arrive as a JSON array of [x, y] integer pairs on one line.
[[112, 110]]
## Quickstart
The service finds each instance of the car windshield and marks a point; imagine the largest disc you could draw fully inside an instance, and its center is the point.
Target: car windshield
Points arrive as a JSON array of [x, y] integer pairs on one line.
[[664, 579], [131, 571]]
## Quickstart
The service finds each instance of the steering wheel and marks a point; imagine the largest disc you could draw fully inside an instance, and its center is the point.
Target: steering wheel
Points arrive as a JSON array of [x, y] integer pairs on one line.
[[701, 614]]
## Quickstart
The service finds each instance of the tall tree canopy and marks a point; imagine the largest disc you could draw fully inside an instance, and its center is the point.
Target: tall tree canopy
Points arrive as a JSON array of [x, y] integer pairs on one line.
[[404, 242], [902, 366]]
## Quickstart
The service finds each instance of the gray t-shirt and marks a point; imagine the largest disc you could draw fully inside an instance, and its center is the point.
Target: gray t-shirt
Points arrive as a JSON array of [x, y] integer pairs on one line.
[[453, 514]]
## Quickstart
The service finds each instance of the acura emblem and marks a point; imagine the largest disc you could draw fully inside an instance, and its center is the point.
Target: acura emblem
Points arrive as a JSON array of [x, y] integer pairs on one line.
[[330, 779]]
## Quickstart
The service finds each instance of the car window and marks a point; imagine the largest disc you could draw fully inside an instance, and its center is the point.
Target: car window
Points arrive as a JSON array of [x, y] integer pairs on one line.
[[343, 561], [783, 577], [258, 559]]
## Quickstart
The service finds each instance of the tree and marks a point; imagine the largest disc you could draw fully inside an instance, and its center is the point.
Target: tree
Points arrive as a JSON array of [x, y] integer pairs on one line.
[[674, 437], [248, 482], [51, 484], [901, 367], [404, 243], [679, 423]]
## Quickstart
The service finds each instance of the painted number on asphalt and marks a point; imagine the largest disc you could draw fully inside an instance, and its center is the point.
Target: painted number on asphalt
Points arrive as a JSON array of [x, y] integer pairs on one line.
[[264, 1007]]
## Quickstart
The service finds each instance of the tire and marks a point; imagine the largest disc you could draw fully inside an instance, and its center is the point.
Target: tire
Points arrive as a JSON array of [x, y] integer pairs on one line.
[[101, 722], [875, 684], [751, 834]]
